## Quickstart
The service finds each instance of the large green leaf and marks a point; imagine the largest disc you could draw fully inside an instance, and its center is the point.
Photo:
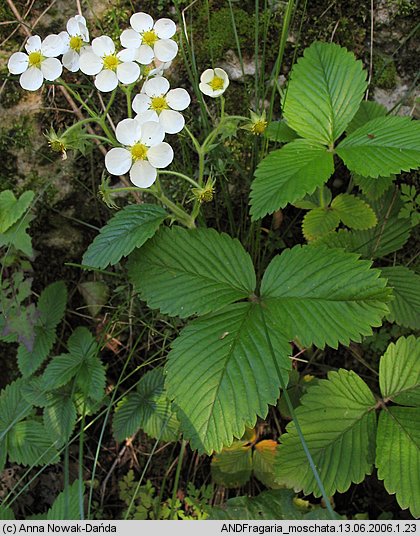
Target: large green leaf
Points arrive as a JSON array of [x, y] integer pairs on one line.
[[130, 228], [324, 92], [29, 443], [405, 307], [399, 372], [287, 174], [148, 409], [323, 296], [318, 222], [398, 455], [12, 209], [50, 308], [354, 212], [382, 146], [338, 422], [221, 375], [67, 504], [185, 272], [60, 417], [367, 110]]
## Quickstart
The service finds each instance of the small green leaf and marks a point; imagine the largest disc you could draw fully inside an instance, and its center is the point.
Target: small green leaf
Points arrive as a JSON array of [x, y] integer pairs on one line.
[[185, 272], [60, 417], [405, 307], [354, 212], [67, 505], [373, 188], [232, 467], [280, 131], [338, 422], [398, 455], [318, 222], [95, 294], [399, 372], [264, 458], [324, 92], [17, 236], [12, 209], [130, 228], [91, 378], [367, 110], [287, 174], [382, 146]]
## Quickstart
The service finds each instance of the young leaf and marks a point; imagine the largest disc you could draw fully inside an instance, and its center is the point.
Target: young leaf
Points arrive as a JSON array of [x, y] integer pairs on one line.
[[51, 307], [324, 92], [382, 146], [354, 212], [12, 209], [280, 131], [232, 467], [60, 417], [323, 296], [399, 372], [221, 376], [398, 455], [264, 461], [185, 272], [405, 307], [95, 294], [130, 228], [373, 188], [367, 110], [338, 422], [30, 444], [148, 409], [287, 174], [318, 222]]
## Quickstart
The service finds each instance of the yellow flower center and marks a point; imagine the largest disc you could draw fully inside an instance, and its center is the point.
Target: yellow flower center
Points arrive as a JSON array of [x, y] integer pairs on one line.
[[159, 104], [217, 83], [139, 152], [35, 59], [76, 43], [111, 62], [259, 127], [149, 38]]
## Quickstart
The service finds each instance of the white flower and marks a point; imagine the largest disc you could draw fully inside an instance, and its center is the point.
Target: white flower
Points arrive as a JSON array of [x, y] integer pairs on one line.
[[151, 39], [144, 150], [74, 42], [158, 103], [40, 61], [214, 82], [109, 67]]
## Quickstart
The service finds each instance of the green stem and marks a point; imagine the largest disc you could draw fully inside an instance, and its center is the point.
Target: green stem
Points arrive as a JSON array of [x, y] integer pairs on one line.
[[110, 102], [180, 175], [76, 95], [177, 475], [81, 444]]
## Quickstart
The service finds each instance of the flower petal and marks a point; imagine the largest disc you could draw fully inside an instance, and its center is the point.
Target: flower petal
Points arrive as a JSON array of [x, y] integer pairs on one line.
[[160, 155], [103, 46], [145, 55], [141, 22], [207, 76], [71, 61], [156, 86], [141, 103], [52, 46], [18, 63], [165, 28], [118, 161], [178, 99], [142, 174], [106, 80], [128, 132], [166, 50], [90, 63], [33, 44], [128, 72], [206, 89], [148, 115], [51, 68], [152, 133], [171, 121], [65, 38], [31, 79], [223, 75], [130, 39]]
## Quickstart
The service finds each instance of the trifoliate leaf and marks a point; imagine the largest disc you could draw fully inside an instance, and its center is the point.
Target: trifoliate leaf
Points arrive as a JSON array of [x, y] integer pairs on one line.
[[323, 296], [287, 174], [354, 212], [382, 146], [367, 110], [147, 409], [12, 209], [398, 455], [130, 228], [338, 422], [405, 307], [280, 131], [185, 272], [318, 222], [399, 372], [324, 92], [221, 375]]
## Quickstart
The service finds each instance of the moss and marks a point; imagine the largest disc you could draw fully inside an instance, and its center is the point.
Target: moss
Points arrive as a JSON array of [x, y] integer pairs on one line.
[[384, 72]]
